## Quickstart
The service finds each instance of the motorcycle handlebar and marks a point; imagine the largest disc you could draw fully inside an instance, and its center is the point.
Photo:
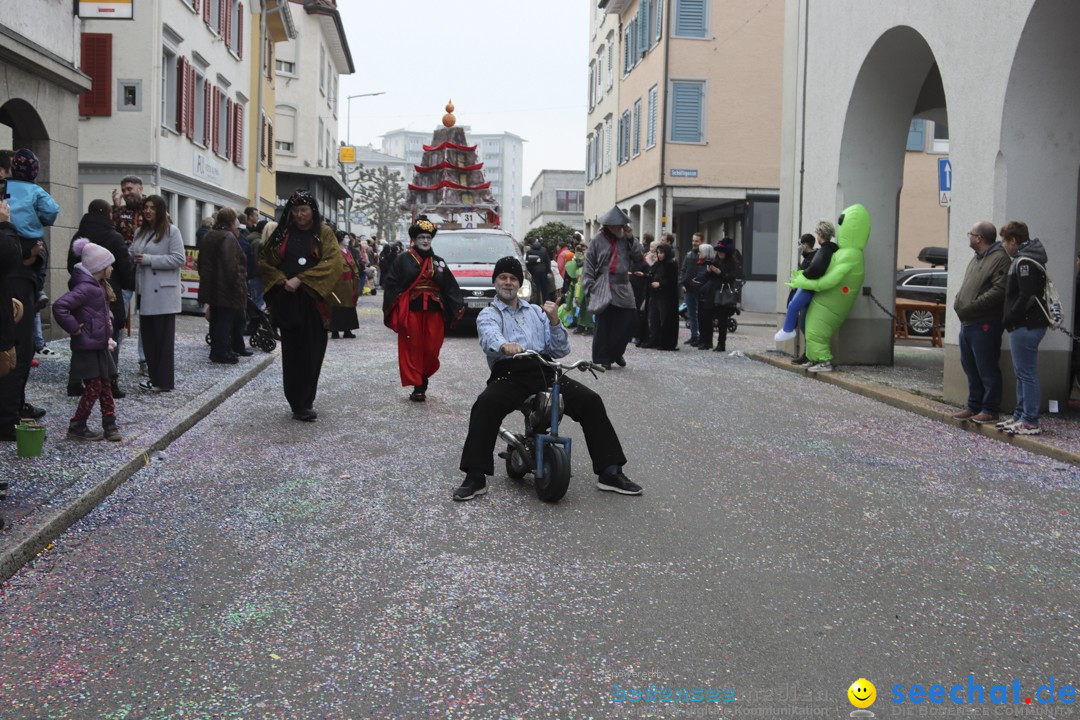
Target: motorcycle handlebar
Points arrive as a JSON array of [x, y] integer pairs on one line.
[[583, 365]]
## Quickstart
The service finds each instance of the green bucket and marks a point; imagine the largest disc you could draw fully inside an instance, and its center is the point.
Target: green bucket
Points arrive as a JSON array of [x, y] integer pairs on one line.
[[29, 440]]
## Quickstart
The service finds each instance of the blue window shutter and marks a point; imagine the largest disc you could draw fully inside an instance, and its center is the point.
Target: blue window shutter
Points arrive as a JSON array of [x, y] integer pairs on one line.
[[626, 50], [686, 105], [690, 18], [643, 25], [650, 134], [637, 126], [659, 19], [916, 136]]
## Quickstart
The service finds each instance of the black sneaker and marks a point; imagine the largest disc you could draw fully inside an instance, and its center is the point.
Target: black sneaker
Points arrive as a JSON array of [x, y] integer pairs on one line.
[[305, 415], [227, 360], [621, 361], [618, 483], [243, 353], [30, 411], [470, 488]]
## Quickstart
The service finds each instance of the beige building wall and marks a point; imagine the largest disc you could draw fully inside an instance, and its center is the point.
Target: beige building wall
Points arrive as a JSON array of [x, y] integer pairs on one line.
[[922, 222]]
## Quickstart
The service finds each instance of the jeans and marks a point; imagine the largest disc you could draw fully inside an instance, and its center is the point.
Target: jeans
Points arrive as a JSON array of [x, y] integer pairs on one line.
[[798, 303], [980, 348], [255, 292], [39, 339], [691, 299], [1024, 343]]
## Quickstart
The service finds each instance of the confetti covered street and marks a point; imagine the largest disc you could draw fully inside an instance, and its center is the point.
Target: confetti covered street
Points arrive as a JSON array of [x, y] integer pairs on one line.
[[792, 538]]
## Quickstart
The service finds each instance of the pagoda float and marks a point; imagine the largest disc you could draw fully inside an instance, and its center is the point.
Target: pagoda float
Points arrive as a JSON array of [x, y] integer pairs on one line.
[[449, 184]]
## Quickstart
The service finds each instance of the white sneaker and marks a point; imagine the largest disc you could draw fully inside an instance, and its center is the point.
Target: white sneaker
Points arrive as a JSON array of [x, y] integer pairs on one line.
[[783, 336], [807, 364], [821, 367], [1006, 424]]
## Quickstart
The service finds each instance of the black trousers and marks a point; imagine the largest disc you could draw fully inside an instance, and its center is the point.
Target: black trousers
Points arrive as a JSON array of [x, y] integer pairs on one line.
[[158, 334], [614, 330], [13, 385], [303, 347], [223, 325], [511, 382]]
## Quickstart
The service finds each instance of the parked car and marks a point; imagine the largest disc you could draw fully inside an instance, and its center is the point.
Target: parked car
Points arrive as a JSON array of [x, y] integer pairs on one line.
[[928, 284], [471, 256]]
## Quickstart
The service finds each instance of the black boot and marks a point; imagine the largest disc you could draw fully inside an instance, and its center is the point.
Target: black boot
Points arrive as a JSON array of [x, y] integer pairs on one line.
[[117, 393], [108, 424], [75, 389], [77, 430]]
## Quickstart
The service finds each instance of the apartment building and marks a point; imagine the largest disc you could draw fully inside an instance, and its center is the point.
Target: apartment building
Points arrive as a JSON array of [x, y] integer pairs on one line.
[[39, 106], [171, 102], [501, 153], [558, 196], [697, 128], [306, 133], [603, 94]]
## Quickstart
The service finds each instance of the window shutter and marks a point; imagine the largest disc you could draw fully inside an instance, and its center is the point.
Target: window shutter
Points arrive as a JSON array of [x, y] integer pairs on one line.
[[226, 25], [217, 121], [643, 25], [96, 50], [240, 29], [270, 146], [238, 133], [690, 18], [228, 128], [206, 12], [650, 134], [626, 51], [686, 102], [223, 20], [195, 6], [181, 96], [190, 95], [637, 126], [208, 113], [659, 19]]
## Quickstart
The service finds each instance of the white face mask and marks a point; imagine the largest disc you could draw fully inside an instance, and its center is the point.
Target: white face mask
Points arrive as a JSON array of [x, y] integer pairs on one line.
[[423, 242]]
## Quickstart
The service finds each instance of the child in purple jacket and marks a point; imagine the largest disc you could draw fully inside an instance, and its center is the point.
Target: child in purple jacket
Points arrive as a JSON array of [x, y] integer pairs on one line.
[[83, 311]]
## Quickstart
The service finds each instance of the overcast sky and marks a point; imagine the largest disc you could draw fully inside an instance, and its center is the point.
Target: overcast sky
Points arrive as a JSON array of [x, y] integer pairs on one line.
[[509, 66]]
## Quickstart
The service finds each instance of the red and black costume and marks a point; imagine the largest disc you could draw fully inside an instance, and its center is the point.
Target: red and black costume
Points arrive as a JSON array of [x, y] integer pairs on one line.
[[420, 298]]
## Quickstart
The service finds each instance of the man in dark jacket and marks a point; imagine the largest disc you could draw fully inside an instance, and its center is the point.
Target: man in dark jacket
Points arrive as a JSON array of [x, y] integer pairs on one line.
[[98, 227], [539, 266], [979, 304], [686, 274], [10, 260]]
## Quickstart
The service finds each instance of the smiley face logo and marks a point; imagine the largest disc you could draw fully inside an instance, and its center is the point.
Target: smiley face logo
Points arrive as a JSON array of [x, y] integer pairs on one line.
[[862, 693]]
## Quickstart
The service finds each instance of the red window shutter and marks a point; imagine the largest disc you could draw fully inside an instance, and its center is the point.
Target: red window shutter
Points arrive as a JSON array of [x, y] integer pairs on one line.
[[195, 5], [238, 130], [225, 22], [217, 121], [208, 113], [181, 96], [240, 29], [191, 87], [206, 12], [270, 146], [229, 119], [96, 51], [262, 134]]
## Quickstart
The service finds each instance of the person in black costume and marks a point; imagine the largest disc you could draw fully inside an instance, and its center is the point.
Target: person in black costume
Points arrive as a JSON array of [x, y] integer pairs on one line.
[[727, 271], [664, 300]]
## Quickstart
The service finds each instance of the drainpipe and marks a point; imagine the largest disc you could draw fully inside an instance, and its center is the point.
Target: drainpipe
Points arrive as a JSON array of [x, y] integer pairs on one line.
[[804, 11], [263, 9], [663, 121]]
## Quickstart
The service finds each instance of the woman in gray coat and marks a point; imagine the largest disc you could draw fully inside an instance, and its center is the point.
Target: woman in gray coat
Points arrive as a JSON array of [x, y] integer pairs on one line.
[[158, 252]]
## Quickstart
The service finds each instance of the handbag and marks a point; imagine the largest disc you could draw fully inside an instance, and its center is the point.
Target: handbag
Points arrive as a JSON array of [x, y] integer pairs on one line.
[[8, 357], [727, 296]]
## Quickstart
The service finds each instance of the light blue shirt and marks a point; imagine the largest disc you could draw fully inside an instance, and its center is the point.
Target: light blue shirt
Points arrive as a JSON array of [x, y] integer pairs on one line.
[[527, 326]]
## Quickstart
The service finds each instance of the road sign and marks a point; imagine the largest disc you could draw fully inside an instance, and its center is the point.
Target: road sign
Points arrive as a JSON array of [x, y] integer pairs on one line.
[[347, 154], [944, 198], [944, 175]]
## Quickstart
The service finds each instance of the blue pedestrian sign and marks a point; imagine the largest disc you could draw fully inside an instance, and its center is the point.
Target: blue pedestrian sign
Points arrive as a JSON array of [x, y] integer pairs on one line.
[[944, 175]]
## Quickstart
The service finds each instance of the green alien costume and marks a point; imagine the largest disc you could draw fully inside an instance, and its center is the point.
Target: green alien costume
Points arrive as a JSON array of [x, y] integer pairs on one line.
[[836, 290]]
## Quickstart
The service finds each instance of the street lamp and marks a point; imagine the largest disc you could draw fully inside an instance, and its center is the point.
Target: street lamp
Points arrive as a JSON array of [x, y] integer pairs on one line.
[[348, 101]]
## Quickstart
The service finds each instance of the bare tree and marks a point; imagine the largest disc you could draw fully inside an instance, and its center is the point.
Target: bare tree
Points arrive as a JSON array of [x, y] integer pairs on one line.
[[377, 193]]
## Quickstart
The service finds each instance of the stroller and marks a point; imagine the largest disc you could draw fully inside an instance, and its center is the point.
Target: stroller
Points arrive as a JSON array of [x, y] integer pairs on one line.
[[262, 332]]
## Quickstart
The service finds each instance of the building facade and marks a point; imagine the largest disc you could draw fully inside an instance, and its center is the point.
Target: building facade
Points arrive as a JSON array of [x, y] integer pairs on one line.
[[501, 154], [558, 196], [306, 134], [603, 103], [697, 127], [369, 158], [181, 121], [1010, 115], [40, 62]]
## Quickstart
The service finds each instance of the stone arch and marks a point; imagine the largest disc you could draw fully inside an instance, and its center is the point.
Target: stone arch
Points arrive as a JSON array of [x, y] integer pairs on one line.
[[1039, 163], [898, 80], [27, 129]]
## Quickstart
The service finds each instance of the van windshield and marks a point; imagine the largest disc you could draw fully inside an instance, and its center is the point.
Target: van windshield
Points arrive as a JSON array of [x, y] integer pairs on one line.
[[470, 249]]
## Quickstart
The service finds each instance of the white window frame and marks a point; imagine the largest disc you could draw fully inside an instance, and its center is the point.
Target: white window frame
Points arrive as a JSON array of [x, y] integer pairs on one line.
[[169, 60]]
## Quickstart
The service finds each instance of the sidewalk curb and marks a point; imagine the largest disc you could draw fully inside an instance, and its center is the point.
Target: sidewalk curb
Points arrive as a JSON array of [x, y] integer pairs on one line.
[[26, 545], [921, 406]]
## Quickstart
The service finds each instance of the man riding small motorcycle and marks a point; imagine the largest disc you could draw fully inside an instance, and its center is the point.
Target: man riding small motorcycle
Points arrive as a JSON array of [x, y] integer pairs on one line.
[[508, 327]]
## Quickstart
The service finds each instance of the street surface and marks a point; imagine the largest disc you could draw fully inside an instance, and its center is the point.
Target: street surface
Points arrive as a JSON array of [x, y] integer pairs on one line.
[[792, 538]]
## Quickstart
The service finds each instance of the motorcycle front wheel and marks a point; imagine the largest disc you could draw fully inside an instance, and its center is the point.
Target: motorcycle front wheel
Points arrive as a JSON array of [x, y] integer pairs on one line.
[[556, 480], [517, 465]]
